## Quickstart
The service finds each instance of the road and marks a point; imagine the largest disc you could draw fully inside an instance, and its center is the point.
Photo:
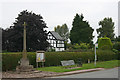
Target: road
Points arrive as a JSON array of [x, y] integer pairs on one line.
[[109, 73]]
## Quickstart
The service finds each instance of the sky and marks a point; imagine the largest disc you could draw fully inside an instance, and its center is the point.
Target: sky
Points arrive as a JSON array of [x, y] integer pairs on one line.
[[58, 12]]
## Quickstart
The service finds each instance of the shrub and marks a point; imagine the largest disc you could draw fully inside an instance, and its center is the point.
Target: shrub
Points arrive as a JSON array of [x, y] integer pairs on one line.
[[81, 46], [51, 50], [84, 46], [76, 46], [105, 43], [10, 60], [115, 50], [116, 46]]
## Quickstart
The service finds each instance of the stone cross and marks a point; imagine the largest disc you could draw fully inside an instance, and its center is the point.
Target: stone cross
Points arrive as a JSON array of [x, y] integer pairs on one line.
[[24, 42], [24, 62]]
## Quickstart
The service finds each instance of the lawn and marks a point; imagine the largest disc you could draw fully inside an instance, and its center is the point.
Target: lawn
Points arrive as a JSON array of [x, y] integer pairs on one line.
[[105, 64]]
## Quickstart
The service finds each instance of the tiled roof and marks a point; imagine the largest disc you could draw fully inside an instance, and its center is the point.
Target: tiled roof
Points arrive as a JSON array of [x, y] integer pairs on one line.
[[56, 35]]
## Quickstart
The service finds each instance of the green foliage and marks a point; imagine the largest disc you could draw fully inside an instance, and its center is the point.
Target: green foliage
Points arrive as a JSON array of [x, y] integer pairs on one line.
[[35, 32], [63, 31], [51, 50], [116, 46], [81, 46], [106, 29], [117, 39], [10, 60], [76, 46], [84, 46], [105, 43], [81, 31], [115, 50], [105, 55]]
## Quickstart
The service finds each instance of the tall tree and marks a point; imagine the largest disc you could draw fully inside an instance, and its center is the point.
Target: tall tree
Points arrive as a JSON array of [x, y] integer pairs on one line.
[[106, 29], [117, 39], [81, 31], [36, 35], [63, 31]]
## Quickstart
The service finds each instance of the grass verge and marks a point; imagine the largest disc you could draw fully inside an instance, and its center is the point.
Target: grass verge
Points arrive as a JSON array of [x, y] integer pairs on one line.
[[104, 64]]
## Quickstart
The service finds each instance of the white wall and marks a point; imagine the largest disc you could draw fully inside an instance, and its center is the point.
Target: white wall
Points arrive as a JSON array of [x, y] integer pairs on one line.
[[59, 49]]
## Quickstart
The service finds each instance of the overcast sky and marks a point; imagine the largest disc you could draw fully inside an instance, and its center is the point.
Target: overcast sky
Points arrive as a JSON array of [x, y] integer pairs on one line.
[[58, 12]]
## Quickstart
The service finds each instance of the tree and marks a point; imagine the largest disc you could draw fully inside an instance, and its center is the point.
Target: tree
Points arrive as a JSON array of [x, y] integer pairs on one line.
[[106, 29], [36, 35], [63, 31], [117, 39], [81, 31]]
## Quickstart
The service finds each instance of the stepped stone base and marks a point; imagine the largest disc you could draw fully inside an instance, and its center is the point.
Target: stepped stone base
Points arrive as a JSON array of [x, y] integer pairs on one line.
[[24, 66]]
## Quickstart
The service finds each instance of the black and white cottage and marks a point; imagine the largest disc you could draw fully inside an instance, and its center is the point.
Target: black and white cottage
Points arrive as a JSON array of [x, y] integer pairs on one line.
[[56, 41]]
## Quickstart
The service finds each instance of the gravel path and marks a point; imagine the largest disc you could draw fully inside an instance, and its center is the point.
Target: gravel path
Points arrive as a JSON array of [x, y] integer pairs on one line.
[[37, 74]]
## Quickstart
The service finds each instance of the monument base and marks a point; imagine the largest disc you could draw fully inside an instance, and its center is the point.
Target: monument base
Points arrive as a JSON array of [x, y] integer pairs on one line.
[[24, 66]]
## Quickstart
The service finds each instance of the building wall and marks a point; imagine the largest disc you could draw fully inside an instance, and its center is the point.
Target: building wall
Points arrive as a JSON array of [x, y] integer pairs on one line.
[[59, 49], [58, 45]]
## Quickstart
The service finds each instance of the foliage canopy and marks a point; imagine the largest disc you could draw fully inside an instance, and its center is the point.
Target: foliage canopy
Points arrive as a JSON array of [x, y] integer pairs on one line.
[[36, 35], [81, 31]]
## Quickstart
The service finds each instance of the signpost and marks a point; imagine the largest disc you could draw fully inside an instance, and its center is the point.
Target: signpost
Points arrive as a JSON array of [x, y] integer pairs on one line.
[[40, 57], [96, 46]]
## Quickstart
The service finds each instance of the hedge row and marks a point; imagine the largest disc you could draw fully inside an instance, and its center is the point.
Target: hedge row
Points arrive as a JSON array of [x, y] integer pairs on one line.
[[10, 60]]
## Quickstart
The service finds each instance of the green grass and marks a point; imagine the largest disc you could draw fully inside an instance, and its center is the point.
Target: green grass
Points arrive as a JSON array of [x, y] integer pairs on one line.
[[105, 64]]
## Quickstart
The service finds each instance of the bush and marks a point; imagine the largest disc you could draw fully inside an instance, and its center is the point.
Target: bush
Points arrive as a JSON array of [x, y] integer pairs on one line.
[[105, 43], [81, 46], [116, 46], [84, 46], [115, 50], [10, 60], [51, 50]]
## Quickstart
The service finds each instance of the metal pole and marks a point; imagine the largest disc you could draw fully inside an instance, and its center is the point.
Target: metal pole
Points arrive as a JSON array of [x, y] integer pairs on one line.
[[95, 55], [36, 64], [42, 64]]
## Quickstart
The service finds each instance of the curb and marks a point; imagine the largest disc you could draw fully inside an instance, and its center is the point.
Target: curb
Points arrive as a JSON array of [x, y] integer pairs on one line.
[[62, 74], [76, 72]]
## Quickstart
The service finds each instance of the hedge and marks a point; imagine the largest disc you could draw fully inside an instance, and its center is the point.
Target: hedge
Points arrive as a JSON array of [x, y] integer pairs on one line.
[[105, 43], [10, 60]]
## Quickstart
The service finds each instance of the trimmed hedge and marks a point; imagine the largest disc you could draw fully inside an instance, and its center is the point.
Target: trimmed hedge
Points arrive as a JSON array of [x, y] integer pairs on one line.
[[105, 43], [10, 60]]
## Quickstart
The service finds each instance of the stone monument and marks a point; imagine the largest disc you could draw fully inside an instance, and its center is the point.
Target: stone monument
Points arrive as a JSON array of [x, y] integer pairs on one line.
[[24, 62]]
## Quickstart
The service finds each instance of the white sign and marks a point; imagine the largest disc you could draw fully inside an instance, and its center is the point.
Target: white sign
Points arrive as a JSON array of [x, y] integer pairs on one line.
[[40, 57]]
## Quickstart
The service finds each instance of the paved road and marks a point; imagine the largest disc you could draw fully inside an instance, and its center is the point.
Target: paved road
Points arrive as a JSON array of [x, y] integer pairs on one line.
[[109, 73]]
